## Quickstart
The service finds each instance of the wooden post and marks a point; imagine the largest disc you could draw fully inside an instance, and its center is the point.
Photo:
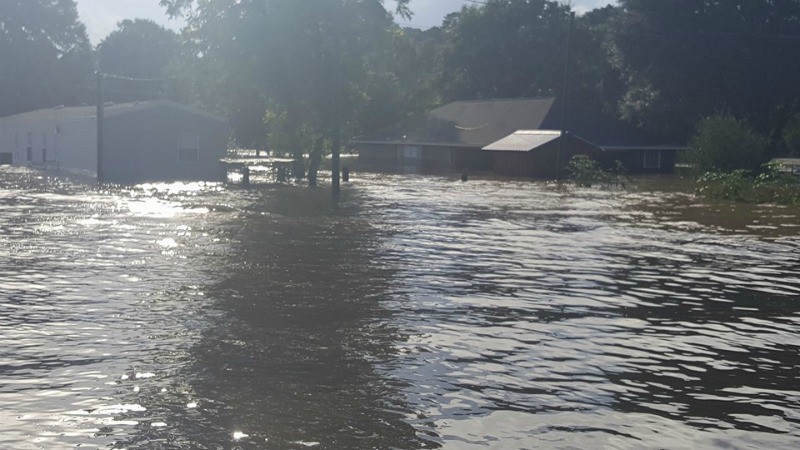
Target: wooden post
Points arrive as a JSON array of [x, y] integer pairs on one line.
[[246, 176], [100, 174], [346, 174]]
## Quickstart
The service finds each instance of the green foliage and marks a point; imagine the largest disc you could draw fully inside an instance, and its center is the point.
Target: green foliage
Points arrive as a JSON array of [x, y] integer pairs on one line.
[[685, 59], [773, 185], [791, 135], [722, 143], [45, 55], [777, 184], [139, 49], [325, 69], [734, 185], [586, 172], [495, 49]]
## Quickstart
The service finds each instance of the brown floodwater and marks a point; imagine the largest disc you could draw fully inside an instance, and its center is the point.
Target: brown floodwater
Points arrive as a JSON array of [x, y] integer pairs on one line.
[[421, 313]]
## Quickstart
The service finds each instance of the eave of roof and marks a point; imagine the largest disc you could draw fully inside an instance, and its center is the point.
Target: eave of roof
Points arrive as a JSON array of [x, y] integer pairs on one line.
[[616, 148], [111, 110]]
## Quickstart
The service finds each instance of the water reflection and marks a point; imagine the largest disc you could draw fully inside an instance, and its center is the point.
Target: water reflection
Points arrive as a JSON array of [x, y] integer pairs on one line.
[[288, 358], [424, 312]]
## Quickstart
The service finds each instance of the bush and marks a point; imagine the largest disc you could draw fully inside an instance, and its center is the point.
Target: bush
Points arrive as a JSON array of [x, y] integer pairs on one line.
[[735, 185], [777, 185], [587, 172], [791, 135], [723, 143], [773, 185]]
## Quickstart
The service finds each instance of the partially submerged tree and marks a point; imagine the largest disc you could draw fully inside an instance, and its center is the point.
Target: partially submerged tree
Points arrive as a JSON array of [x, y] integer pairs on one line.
[[311, 61]]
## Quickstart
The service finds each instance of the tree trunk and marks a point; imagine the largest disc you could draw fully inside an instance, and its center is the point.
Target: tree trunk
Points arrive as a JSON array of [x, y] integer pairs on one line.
[[315, 162]]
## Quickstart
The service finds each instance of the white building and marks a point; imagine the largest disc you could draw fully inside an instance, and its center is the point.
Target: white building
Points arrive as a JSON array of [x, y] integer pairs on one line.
[[142, 141]]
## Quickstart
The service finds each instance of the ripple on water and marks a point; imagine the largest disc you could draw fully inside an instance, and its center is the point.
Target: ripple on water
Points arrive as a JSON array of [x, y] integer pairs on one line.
[[424, 312]]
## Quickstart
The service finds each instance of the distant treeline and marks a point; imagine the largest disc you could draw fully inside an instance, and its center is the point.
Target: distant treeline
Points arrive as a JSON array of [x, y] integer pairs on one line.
[[302, 76]]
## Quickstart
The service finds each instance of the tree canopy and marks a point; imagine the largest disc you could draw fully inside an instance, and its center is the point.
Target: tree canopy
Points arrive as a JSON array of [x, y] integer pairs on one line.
[[137, 49], [688, 58], [45, 55]]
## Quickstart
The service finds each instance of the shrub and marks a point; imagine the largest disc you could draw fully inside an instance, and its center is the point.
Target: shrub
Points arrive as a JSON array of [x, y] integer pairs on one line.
[[735, 185], [791, 135], [587, 172], [723, 143], [773, 185], [777, 185]]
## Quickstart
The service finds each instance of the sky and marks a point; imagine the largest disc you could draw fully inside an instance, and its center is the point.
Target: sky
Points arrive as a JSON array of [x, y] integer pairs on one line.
[[101, 16]]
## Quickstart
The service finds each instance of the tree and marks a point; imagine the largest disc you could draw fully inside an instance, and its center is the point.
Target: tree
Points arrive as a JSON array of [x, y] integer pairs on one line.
[[45, 53], [722, 142], [505, 49], [310, 61], [139, 49], [518, 48], [685, 59]]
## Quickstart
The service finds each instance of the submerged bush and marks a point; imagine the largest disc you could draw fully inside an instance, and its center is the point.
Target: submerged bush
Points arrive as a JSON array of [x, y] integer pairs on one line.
[[736, 185], [584, 171], [725, 144], [773, 185]]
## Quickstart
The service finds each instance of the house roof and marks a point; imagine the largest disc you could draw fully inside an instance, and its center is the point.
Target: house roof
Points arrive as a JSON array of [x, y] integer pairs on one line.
[[110, 110], [524, 141], [468, 123], [484, 122]]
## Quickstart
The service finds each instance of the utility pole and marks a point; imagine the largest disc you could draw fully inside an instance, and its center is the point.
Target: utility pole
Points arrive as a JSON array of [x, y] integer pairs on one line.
[[337, 99], [100, 175], [565, 95]]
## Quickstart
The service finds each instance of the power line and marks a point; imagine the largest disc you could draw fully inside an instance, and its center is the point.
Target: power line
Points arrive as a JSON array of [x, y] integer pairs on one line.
[[144, 80]]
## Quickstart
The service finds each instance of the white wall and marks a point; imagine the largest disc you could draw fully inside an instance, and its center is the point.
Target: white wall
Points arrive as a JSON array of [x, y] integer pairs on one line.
[[70, 141]]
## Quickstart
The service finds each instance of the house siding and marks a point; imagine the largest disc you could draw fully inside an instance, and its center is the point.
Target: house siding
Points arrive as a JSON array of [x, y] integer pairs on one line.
[[140, 141], [143, 146], [542, 162], [633, 160]]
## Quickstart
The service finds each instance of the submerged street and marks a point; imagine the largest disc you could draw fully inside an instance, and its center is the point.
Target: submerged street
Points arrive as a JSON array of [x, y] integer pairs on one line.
[[422, 313]]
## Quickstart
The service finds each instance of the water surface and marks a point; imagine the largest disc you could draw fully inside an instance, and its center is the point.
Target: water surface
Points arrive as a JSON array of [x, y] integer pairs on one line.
[[423, 312]]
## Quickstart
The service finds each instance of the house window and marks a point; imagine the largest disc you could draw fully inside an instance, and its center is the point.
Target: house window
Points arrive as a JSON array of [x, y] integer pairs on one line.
[[188, 148], [410, 152], [29, 152], [652, 159]]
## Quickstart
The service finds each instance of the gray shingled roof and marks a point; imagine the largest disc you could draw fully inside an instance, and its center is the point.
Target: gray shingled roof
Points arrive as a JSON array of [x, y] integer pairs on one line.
[[481, 123], [469, 123]]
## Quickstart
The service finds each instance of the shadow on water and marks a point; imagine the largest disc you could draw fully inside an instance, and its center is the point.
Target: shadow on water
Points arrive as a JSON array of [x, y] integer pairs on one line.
[[296, 330]]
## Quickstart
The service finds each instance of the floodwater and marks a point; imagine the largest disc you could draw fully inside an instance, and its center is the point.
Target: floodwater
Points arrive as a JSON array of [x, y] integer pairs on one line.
[[422, 313]]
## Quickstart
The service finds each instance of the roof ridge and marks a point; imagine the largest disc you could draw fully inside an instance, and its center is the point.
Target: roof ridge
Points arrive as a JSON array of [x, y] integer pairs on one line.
[[518, 99]]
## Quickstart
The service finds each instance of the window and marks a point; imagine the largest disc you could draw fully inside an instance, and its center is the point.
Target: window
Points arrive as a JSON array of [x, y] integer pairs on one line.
[[188, 148], [410, 152], [652, 159]]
